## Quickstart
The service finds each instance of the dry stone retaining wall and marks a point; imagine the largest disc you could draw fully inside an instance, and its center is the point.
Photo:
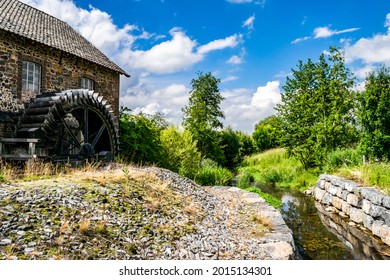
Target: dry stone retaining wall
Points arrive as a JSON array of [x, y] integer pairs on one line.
[[364, 205]]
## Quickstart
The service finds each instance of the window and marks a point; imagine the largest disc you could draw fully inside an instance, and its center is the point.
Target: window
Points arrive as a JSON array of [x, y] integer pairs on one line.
[[87, 83], [31, 77]]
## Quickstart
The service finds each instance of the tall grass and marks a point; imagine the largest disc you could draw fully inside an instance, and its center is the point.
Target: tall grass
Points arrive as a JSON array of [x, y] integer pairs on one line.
[[275, 167], [210, 174]]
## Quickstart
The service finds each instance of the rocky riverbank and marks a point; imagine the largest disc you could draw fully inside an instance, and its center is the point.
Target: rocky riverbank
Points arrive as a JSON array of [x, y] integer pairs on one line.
[[123, 212]]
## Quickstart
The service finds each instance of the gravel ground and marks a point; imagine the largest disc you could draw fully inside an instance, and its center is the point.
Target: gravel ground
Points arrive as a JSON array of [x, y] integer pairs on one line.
[[137, 213]]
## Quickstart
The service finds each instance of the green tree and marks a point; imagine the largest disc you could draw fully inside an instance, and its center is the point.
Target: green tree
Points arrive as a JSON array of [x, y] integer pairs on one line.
[[180, 152], [247, 144], [267, 133], [317, 110], [374, 115], [140, 137], [230, 145], [202, 117]]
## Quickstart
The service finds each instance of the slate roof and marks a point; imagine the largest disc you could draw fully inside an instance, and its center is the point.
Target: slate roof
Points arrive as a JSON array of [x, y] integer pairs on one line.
[[26, 21]]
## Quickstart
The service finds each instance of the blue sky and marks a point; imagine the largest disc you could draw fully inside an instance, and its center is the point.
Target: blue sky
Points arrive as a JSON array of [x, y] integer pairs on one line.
[[251, 45]]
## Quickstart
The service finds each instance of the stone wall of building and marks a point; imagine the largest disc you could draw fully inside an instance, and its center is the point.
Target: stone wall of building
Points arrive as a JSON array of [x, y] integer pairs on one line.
[[60, 71], [364, 205]]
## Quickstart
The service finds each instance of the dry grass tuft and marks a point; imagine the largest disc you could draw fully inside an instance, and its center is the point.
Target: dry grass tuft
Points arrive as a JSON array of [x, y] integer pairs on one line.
[[85, 226]]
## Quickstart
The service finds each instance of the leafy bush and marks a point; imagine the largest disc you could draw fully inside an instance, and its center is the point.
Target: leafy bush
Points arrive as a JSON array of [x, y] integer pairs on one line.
[[140, 138], [244, 180], [180, 152]]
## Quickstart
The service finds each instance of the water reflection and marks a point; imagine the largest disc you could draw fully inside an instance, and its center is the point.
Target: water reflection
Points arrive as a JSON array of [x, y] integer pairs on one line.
[[321, 235]]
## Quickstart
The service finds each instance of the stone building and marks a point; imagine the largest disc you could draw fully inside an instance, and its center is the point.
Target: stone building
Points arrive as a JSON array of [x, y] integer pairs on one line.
[[40, 53]]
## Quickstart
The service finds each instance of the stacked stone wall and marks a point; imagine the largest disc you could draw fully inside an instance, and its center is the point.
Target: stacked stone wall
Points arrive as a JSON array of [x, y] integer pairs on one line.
[[60, 71], [363, 205]]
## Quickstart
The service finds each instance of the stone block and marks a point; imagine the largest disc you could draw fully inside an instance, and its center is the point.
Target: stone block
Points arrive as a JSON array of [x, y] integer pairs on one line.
[[376, 211], [386, 202], [356, 214], [344, 194], [372, 194], [345, 207], [333, 189], [350, 186], [337, 181], [385, 234], [319, 194], [386, 217], [327, 186], [339, 193], [321, 184], [366, 206], [354, 200], [327, 199], [337, 202], [376, 227], [367, 221]]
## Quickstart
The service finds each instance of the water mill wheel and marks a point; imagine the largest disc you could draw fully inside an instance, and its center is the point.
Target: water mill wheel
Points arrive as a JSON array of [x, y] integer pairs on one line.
[[71, 125]]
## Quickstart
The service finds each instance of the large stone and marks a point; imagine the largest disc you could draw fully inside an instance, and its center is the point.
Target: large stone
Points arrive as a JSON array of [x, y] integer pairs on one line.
[[327, 199], [278, 250], [376, 211], [321, 184], [376, 227], [386, 217], [356, 215], [351, 186], [354, 200], [339, 192], [319, 194], [367, 221], [327, 186], [337, 181], [385, 234], [333, 189], [366, 206], [345, 207], [386, 202], [372, 194], [344, 195], [337, 202]]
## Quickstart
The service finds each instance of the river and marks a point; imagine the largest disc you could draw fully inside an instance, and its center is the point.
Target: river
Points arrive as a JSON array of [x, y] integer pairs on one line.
[[320, 234]]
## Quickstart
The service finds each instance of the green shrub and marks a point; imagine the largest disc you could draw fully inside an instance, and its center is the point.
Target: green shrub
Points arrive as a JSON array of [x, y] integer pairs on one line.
[[244, 180], [180, 152]]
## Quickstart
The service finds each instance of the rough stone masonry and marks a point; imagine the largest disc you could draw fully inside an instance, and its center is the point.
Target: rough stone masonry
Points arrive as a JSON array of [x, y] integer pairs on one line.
[[363, 205]]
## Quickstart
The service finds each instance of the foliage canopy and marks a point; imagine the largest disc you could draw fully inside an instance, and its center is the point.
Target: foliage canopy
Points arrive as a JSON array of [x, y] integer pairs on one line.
[[317, 110]]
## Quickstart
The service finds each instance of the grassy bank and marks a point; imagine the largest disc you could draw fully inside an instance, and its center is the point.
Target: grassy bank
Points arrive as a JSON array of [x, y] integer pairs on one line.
[[275, 167]]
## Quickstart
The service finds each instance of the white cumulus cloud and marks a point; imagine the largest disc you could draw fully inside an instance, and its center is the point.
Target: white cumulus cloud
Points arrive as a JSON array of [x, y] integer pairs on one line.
[[174, 54], [375, 49], [228, 42], [167, 57], [244, 108]]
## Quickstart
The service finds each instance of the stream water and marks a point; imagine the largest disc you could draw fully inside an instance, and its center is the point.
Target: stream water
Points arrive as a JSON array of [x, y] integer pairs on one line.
[[322, 235]]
